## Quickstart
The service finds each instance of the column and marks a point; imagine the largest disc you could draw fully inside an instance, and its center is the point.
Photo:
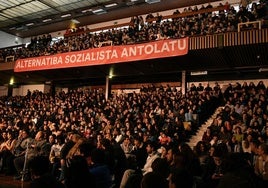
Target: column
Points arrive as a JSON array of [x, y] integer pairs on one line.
[[107, 88], [10, 90], [183, 82]]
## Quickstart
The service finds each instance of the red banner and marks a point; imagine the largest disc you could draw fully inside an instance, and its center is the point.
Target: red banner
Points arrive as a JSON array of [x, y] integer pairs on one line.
[[105, 55]]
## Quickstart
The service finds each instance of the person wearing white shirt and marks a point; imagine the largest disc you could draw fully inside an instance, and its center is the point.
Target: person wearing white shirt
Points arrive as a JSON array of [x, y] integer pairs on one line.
[[152, 155]]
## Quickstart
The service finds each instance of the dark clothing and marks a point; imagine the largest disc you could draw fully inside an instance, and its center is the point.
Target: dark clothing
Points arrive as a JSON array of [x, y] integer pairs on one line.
[[7, 163], [141, 155], [120, 164], [63, 153], [41, 178], [19, 163], [46, 181], [78, 175], [238, 179], [102, 175], [42, 147], [210, 169]]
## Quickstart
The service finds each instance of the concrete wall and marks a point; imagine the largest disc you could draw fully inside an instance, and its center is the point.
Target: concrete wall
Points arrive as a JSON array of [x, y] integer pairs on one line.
[[9, 40], [3, 90]]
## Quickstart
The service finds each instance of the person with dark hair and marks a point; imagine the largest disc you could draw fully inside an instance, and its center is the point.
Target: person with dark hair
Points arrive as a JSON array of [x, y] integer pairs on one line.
[[139, 151], [7, 153], [132, 175], [54, 155], [191, 161], [214, 169], [172, 151], [151, 149], [201, 151], [40, 175], [127, 146], [254, 144]]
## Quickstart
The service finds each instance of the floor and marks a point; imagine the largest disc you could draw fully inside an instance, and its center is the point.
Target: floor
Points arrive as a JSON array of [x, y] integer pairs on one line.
[[9, 182]]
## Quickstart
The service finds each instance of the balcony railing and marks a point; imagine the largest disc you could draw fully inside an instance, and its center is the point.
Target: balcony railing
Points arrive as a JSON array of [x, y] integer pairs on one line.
[[255, 23], [229, 39]]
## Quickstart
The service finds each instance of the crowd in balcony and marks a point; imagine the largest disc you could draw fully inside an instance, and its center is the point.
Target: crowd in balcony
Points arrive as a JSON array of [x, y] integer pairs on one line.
[[150, 28], [139, 139]]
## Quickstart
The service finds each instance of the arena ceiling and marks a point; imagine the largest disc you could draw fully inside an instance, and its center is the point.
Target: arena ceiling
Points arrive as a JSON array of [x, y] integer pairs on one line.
[[25, 18]]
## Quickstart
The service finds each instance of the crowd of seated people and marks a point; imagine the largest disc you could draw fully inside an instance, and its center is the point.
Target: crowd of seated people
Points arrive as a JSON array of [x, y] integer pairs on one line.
[[241, 127], [151, 29], [139, 139], [64, 122]]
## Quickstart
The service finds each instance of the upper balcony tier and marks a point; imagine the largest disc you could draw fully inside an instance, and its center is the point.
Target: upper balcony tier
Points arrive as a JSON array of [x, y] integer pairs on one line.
[[241, 52]]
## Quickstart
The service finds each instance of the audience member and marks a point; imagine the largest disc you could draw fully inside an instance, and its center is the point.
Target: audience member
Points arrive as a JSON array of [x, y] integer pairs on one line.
[[151, 149]]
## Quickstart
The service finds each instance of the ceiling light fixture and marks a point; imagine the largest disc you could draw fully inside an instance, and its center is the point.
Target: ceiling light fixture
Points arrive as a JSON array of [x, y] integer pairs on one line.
[[99, 11], [29, 24], [47, 20], [196, 73], [110, 5], [152, 1], [66, 15], [87, 10], [263, 70]]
